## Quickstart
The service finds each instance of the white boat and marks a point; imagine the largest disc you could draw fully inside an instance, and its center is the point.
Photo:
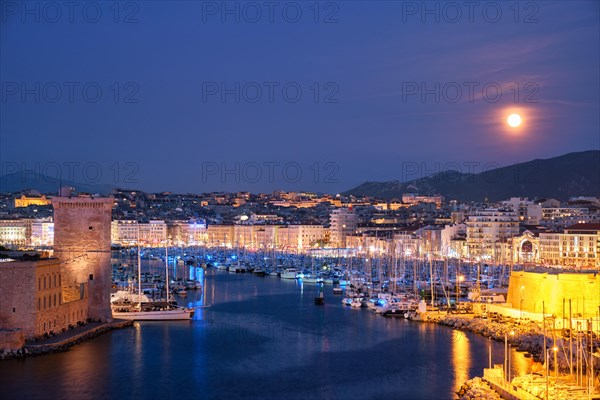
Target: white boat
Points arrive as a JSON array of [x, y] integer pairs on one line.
[[290, 273], [173, 314], [357, 302], [311, 279]]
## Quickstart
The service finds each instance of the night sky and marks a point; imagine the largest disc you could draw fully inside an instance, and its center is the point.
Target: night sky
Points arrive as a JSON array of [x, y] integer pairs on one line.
[[292, 95]]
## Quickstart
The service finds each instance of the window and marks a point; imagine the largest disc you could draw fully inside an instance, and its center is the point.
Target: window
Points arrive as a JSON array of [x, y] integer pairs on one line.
[[44, 305], [44, 282]]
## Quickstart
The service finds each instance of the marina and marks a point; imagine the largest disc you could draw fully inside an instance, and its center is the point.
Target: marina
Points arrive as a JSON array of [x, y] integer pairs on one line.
[[368, 286], [269, 337]]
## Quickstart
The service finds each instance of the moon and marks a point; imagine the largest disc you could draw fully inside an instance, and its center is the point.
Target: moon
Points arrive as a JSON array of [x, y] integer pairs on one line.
[[514, 120]]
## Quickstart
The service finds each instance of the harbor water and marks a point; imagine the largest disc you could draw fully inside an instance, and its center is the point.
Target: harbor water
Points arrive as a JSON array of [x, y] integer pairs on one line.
[[262, 338]]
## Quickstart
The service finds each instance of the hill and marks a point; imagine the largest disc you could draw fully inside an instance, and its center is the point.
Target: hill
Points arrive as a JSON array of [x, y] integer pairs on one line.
[[572, 174]]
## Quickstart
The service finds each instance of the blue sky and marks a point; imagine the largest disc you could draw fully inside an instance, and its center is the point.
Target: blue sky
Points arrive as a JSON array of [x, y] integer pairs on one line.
[[201, 96]]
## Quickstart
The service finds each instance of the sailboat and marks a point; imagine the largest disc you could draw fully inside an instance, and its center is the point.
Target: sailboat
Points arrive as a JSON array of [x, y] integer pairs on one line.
[[151, 311]]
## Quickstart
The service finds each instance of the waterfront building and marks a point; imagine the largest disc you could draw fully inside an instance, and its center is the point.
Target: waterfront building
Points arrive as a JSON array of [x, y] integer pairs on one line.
[[32, 300], [300, 237], [124, 232], [153, 233], [243, 236], [266, 236], [344, 222], [187, 233], [220, 235]]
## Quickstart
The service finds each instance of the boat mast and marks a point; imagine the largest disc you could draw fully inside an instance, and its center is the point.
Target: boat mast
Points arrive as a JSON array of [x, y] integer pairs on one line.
[[167, 270], [431, 279], [139, 262]]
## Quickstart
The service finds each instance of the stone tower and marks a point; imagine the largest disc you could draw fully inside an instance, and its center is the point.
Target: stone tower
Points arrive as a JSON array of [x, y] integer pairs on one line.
[[82, 243]]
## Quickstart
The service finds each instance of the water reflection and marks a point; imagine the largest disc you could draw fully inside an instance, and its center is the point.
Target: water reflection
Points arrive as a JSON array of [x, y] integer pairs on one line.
[[461, 358]]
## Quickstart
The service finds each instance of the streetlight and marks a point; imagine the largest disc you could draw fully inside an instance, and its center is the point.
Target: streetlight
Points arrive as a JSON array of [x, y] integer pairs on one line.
[[555, 350], [459, 279], [507, 356]]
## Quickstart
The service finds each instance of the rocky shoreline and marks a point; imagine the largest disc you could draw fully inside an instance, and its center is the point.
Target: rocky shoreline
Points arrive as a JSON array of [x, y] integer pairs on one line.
[[527, 337], [477, 388]]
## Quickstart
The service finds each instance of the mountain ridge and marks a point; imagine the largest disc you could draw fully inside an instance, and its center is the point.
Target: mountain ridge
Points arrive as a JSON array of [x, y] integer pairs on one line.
[[561, 177]]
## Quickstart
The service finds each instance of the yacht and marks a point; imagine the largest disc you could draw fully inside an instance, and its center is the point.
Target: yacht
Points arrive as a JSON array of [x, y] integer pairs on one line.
[[139, 313], [290, 273], [311, 279]]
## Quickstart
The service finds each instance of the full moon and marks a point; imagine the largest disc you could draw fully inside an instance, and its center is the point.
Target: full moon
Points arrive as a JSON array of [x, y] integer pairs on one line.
[[514, 120]]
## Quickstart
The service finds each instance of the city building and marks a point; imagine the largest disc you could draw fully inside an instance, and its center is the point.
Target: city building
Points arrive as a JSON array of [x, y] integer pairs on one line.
[[42, 232], [344, 222], [578, 246], [26, 201], [15, 232], [487, 228], [527, 211], [414, 199], [220, 235], [32, 303]]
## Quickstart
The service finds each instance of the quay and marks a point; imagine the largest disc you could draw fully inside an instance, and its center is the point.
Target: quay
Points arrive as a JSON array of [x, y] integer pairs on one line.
[[65, 340]]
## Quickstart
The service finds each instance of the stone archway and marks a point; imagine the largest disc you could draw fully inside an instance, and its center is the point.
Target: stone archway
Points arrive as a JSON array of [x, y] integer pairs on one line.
[[528, 250]]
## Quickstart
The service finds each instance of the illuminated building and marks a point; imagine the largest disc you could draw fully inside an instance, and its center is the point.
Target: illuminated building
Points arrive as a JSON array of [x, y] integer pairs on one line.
[[578, 246], [344, 222], [32, 300], [488, 227], [526, 210], [25, 201], [414, 199], [42, 233], [15, 231]]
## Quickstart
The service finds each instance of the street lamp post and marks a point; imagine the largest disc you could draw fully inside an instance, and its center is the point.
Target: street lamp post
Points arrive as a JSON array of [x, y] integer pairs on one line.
[[507, 356], [555, 350]]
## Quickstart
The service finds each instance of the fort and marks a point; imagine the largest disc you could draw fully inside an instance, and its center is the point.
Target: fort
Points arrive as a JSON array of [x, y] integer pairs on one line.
[[45, 296], [552, 291]]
